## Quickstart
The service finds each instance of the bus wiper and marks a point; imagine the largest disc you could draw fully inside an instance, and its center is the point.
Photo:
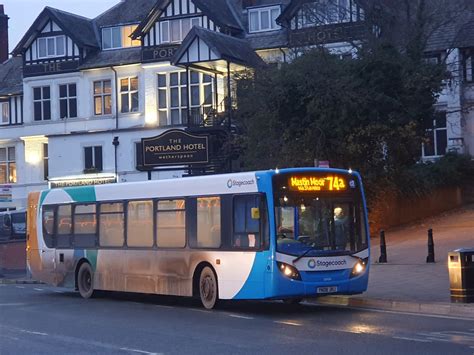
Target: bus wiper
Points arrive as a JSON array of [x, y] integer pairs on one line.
[[304, 254]]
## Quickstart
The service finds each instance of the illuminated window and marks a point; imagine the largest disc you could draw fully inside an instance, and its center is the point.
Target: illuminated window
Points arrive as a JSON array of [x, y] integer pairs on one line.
[[140, 224], [51, 47], [171, 224], [102, 97], [119, 37], [85, 225], [111, 226], [264, 19], [4, 113], [7, 165], [436, 137], [129, 94], [67, 101], [173, 97], [42, 103], [209, 222]]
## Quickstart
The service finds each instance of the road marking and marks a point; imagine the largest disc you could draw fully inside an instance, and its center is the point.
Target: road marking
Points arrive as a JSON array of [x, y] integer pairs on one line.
[[413, 339], [58, 291], [139, 351], [31, 332], [38, 289], [288, 323], [399, 312], [162, 306], [239, 316], [200, 310], [20, 286]]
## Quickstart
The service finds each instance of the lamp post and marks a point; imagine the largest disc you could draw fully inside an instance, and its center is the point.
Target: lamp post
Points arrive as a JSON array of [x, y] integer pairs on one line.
[[116, 143]]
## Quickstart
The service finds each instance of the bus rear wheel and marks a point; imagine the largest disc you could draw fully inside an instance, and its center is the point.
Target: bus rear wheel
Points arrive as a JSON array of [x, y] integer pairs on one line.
[[85, 280], [208, 288]]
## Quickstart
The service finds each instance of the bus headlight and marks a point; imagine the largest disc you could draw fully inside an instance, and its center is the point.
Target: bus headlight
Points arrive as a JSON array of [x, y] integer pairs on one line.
[[289, 271], [359, 268]]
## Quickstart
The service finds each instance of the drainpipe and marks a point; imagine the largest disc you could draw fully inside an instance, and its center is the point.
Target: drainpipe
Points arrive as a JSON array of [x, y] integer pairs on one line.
[[284, 54], [116, 98]]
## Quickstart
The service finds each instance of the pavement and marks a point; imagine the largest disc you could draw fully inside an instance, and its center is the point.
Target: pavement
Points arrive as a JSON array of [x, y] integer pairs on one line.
[[406, 283]]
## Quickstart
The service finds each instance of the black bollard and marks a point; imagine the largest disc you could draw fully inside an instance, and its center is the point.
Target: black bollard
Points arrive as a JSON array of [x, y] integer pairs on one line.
[[431, 255], [383, 248]]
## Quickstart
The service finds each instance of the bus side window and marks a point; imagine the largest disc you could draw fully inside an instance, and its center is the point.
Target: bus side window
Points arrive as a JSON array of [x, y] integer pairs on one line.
[[85, 226], [64, 226], [208, 222], [246, 233], [48, 225]]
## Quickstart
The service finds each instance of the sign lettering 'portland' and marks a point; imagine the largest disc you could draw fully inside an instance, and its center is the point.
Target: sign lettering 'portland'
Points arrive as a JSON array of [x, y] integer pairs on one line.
[[175, 147]]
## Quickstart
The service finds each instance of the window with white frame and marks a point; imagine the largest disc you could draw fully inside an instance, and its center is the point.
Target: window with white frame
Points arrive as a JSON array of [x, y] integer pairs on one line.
[[328, 11], [51, 47], [93, 159], [436, 141], [174, 31], [263, 19], [67, 101], [7, 165], [4, 113], [102, 97], [119, 37], [42, 103], [173, 97], [468, 65], [129, 94]]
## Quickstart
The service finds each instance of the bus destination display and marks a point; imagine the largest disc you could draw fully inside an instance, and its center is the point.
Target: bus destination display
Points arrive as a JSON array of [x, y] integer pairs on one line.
[[317, 183]]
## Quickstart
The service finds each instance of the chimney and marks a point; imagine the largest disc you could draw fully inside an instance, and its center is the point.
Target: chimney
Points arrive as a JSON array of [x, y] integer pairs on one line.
[[3, 35]]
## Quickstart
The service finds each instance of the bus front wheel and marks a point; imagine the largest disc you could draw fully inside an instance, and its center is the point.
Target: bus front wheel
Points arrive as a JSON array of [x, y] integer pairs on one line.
[[85, 280], [208, 288]]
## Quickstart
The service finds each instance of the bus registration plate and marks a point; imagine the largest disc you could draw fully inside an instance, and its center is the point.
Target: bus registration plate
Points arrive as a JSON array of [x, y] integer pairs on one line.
[[326, 289]]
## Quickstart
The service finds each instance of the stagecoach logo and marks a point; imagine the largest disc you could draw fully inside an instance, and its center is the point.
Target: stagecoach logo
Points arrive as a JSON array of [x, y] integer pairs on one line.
[[311, 263], [239, 183]]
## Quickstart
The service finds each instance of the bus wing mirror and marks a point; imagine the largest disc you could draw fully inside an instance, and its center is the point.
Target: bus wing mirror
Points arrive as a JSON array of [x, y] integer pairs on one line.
[[255, 211]]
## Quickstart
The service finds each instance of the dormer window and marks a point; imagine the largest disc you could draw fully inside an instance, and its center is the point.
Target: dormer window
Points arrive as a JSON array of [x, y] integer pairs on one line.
[[51, 47], [118, 37], [323, 12], [264, 19], [174, 31]]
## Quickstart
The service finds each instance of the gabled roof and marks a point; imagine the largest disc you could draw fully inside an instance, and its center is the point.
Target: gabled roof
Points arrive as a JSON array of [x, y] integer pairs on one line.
[[125, 12], [80, 29], [290, 11], [11, 76], [231, 49], [222, 12], [457, 32]]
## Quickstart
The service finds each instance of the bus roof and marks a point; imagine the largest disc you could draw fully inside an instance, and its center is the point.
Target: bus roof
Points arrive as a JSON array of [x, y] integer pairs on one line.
[[207, 185]]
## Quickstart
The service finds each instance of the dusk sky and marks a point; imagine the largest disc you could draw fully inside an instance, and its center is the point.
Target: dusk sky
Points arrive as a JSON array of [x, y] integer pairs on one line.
[[22, 13]]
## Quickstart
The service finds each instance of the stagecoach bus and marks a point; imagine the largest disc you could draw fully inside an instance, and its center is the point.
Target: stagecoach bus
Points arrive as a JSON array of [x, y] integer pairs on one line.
[[280, 234]]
